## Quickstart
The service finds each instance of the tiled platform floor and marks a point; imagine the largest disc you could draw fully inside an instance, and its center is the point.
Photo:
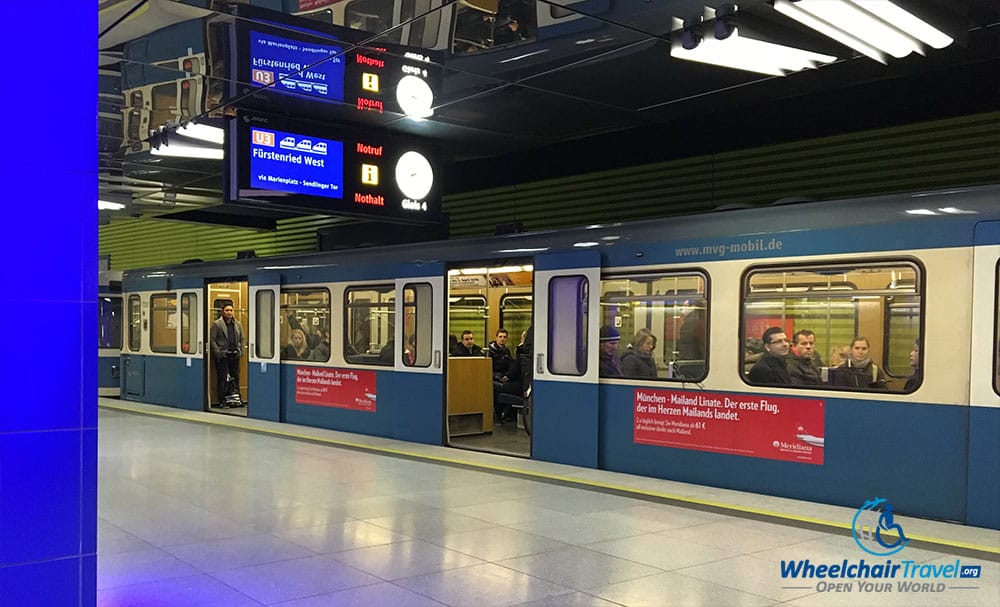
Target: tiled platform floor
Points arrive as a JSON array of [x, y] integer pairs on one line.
[[195, 511]]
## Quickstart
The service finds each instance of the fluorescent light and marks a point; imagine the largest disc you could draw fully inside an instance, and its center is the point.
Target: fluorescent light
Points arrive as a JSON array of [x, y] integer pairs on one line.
[[187, 151], [748, 54], [472, 271], [791, 9], [202, 132], [505, 269], [106, 205], [920, 212], [874, 28], [585, 244], [535, 250]]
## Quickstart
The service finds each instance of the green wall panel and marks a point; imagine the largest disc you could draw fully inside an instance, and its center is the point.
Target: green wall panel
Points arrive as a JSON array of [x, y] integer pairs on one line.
[[954, 152]]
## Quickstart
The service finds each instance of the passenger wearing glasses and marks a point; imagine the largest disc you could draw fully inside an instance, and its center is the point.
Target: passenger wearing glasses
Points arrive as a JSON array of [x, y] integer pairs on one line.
[[772, 369]]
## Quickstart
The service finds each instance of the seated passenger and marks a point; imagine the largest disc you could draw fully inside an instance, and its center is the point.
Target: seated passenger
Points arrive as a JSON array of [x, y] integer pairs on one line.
[[858, 371], [771, 369], [611, 365], [691, 346], [638, 361], [385, 355], [498, 351], [803, 367], [914, 380], [467, 347], [753, 350], [296, 348], [322, 350]]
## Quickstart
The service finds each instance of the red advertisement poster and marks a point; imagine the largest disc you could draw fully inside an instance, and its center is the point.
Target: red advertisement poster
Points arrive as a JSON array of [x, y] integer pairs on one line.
[[343, 388], [789, 429], [308, 5]]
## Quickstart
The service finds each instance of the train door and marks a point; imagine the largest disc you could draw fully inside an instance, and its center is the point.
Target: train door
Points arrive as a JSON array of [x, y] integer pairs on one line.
[[485, 405], [263, 347], [220, 293], [564, 396], [109, 336], [984, 403]]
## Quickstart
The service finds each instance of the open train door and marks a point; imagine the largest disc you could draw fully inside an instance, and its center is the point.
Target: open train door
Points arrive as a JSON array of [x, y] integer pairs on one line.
[[264, 370], [565, 367]]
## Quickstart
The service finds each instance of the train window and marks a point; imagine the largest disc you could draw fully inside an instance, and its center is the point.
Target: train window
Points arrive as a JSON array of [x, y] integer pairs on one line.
[[305, 324], [423, 31], [568, 316], [109, 322], [665, 313], [163, 323], [370, 325], [468, 313], [821, 310], [264, 328], [189, 323], [134, 323], [515, 314], [417, 325], [373, 16]]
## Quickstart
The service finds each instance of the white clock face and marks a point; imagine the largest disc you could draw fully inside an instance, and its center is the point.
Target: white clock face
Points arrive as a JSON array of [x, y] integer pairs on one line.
[[414, 175], [415, 96]]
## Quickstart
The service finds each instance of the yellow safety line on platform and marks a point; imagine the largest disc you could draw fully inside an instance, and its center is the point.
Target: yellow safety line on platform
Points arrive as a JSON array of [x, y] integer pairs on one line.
[[225, 421]]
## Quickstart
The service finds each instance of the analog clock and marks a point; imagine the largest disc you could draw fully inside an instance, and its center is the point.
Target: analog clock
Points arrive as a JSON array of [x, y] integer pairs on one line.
[[414, 175], [415, 96]]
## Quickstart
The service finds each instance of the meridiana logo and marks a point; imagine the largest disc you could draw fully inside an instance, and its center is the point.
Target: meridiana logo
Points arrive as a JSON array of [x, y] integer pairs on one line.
[[873, 526]]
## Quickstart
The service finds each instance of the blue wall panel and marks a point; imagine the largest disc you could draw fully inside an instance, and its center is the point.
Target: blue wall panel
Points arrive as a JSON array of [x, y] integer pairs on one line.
[[910, 454], [564, 423], [984, 466], [410, 406]]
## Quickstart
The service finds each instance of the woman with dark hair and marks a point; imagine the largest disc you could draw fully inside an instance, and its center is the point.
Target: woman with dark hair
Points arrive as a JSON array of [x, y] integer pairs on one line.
[[858, 370]]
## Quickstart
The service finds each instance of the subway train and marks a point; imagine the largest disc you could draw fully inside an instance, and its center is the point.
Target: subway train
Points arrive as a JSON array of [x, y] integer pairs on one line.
[[357, 341]]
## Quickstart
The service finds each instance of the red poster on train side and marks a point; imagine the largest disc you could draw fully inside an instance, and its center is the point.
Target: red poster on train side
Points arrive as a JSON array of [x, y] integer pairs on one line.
[[341, 388], [769, 427]]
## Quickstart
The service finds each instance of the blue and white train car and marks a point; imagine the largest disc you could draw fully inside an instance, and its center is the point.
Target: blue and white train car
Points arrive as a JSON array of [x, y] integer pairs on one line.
[[356, 341]]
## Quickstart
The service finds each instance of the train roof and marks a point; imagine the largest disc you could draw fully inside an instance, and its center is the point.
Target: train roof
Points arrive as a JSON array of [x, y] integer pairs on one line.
[[889, 222]]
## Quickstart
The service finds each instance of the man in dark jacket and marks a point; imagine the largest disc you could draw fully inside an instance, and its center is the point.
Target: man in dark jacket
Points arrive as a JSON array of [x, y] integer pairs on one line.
[[771, 369], [467, 346], [227, 347], [803, 364], [498, 351]]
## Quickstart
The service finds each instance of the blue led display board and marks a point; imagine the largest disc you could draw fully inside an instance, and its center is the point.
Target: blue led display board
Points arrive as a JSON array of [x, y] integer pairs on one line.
[[296, 163], [324, 71], [300, 66], [284, 163]]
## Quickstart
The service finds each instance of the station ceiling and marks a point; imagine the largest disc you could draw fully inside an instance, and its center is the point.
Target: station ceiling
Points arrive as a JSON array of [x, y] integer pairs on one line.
[[600, 91]]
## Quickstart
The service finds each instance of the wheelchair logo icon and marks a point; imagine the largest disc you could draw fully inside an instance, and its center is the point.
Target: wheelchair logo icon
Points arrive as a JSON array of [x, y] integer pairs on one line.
[[875, 530]]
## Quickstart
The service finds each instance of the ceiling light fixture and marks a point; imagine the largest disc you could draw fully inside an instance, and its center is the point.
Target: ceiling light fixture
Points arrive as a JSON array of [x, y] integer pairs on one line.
[[874, 28], [187, 141], [107, 205], [731, 46]]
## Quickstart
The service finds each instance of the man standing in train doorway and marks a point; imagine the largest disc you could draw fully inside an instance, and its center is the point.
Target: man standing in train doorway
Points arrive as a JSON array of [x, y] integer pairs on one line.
[[227, 347]]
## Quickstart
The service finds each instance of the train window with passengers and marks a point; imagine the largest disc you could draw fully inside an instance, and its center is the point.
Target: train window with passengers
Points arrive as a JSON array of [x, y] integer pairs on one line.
[[163, 323], [305, 324], [661, 324], [370, 324], [848, 326], [134, 323]]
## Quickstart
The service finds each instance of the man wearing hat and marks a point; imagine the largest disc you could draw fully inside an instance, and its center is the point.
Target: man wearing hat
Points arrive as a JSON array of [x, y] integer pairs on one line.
[[611, 365]]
